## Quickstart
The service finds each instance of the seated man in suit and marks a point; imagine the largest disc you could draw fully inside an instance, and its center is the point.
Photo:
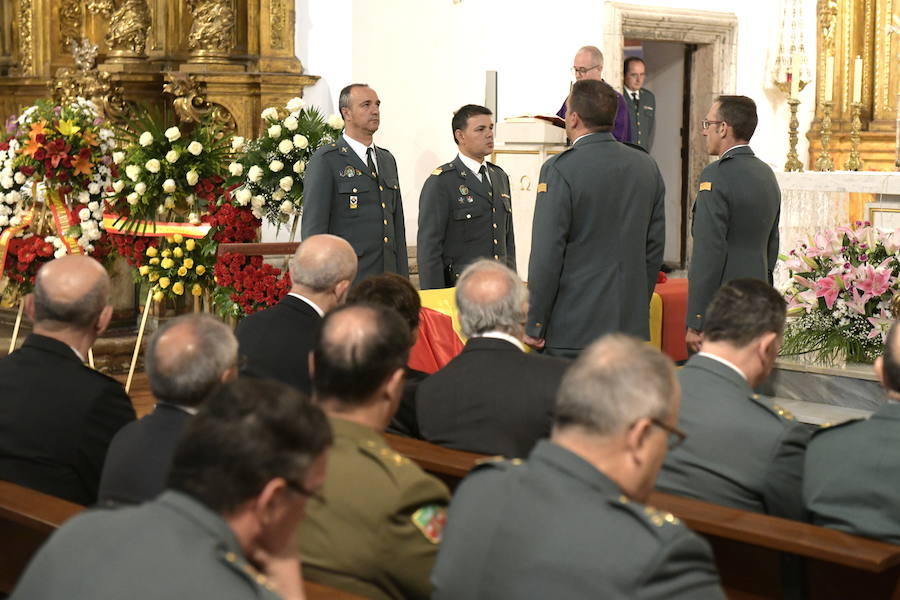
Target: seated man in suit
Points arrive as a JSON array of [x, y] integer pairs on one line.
[[492, 398], [852, 469], [742, 450], [57, 416], [570, 522], [376, 531], [396, 292], [276, 342], [185, 359], [241, 478]]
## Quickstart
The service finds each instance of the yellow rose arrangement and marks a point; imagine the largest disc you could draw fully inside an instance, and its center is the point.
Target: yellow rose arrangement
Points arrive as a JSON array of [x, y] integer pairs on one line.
[[179, 266]]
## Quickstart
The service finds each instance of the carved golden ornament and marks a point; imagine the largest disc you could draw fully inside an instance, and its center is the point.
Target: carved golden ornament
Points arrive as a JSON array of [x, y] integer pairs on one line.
[[86, 81], [100, 7], [828, 11], [276, 23], [128, 28], [70, 18], [191, 105], [212, 29], [25, 40]]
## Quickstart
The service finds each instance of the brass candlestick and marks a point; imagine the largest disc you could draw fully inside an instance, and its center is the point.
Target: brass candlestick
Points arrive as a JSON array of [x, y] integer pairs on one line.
[[793, 162], [824, 162], [853, 162]]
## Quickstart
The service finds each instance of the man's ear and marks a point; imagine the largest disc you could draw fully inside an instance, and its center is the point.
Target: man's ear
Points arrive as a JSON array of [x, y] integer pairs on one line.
[[394, 384], [637, 437], [267, 500], [341, 289], [766, 344], [104, 319], [879, 370], [29, 306]]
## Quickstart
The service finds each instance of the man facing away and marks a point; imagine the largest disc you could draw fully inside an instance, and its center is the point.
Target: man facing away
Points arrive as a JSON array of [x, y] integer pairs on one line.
[[352, 189], [240, 481], [742, 449], [57, 416], [185, 359], [736, 213], [492, 398], [598, 234], [465, 210], [376, 531], [276, 342], [570, 522], [588, 65]]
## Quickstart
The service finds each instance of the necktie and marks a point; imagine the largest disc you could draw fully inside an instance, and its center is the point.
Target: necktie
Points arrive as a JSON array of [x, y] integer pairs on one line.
[[370, 161], [486, 181], [634, 95]]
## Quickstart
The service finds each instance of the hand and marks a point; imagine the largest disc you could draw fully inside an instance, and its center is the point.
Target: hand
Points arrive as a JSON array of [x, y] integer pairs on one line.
[[536, 343], [694, 340], [284, 571]]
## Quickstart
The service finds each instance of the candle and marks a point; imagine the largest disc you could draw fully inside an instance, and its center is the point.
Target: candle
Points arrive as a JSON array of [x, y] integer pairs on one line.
[[795, 75], [829, 78], [857, 79]]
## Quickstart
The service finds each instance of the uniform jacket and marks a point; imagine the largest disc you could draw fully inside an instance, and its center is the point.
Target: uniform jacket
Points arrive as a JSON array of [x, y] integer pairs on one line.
[[140, 455], [342, 197], [643, 117], [172, 547], [462, 219], [376, 533], [276, 342], [597, 243], [741, 450], [556, 527], [851, 476], [492, 398], [57, 418], [735, 227]]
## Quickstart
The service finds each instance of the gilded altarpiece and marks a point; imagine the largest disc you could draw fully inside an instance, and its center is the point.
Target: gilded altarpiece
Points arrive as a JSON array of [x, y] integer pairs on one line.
[[240, 53], [847, 29]]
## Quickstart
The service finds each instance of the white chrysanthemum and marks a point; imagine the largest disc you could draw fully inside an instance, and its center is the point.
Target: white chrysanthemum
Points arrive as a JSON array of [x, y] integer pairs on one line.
[[84, 214], [270, 113], [146, 139], [132, 198], [276, 165], [195, 148], [278, 195], [140, 187], [153, 165], [93, 205], [133, 172], [243, 196], [169, 186], [291, 123], [274, 131], [94, 188], [255, 174], [285, 146], [299, 167], [19, 177], [173, 134], [286, 207], [172, 156], [192, 177], [296, 103], [236, 169], [118, 157], [84, 197], [300, 141]]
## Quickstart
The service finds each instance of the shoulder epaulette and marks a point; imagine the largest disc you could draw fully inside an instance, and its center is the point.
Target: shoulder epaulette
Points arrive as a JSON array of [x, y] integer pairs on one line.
[[653, 517], [383, 454], [450, 166], [636, 147], [772, 407], [826, 427], [497, 462]]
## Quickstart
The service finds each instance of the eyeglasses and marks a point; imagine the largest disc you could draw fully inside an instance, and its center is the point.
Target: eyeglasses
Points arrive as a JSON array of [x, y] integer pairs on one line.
[[676, 436], [305, 492], [706, 123], [584, 70]]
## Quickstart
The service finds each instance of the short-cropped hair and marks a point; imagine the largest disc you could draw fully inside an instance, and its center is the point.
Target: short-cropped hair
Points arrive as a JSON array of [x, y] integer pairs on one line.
[[344, 96], [80, 313], [742, 310], [184, 373], [248, 432], [461, 117], [358, 348], [392, 291], [617, 380], [740, 113], [595, 102], [891, 359], [506, 313]]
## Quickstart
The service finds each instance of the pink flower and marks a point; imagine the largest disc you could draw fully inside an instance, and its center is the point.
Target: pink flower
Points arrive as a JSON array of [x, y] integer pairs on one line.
[[830, 287], [880, 325], [873, 281]]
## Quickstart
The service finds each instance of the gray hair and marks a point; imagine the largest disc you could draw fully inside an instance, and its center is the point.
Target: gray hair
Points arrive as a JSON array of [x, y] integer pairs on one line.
[[82, 312], [616, 381], [344, 97], [320, 272], [594, 51], [483, 310], [184, 373]]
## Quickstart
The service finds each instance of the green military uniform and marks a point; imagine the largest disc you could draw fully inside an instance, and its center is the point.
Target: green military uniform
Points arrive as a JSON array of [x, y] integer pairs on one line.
[[735, 227], [462, 219], [741, 449], [643, 116], [852, 474], [377, 532], [171, 547], [342, 196], [556, 527]]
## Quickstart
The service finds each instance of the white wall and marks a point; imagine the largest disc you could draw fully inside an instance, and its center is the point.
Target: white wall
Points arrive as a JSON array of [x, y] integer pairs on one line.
[[425, 58]]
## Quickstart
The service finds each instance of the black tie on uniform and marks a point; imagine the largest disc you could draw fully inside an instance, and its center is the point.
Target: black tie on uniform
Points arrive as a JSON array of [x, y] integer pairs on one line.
[[487, 182], [370, 161]]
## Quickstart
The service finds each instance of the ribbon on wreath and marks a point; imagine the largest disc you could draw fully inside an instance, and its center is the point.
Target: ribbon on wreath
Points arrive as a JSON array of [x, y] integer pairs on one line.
[[63, 220], [115, 224]]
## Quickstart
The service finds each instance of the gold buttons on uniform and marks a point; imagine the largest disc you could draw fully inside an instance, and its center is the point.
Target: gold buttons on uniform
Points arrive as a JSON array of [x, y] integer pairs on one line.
[[495, 241], [385, 221], [381, 188], [468, 216], [385, 240], [496, 257], [354, 190], [495, 226]]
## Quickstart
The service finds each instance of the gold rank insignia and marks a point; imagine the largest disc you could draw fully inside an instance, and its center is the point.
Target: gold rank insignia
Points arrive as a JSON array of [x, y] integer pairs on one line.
[[437, 171], [354, 202], [706, 186], [343, 148], [542, 187]]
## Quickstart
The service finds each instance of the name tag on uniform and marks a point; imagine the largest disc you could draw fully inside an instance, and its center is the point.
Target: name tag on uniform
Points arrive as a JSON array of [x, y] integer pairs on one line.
[[354, 202]]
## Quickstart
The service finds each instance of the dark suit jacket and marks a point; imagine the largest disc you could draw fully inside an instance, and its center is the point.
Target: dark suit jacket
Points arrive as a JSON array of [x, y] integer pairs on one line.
[[57, 418], [491, 398], [140, 455], [735, 227], [597, 243], [276, 342], [741, 450], [461, 220], [341, 197]]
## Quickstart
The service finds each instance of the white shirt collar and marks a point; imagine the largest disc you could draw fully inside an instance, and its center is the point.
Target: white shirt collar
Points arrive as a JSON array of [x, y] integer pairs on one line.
[[584, 136], [77, 353], [473, 165], [727, 363], [633, 92], [499, 335], [191, 410], [308, 301], [360, 149], [733, 147]]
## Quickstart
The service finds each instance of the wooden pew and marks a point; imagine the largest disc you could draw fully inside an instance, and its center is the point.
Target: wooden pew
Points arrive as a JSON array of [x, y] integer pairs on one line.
[[750, 548], [28, 517]]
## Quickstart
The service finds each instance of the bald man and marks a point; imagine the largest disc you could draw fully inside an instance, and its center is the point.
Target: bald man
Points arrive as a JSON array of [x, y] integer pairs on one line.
[[276, 342], [493, 397], [57, 416]]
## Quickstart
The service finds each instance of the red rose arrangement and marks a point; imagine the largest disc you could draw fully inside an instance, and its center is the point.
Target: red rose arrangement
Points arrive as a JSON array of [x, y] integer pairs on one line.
[[24, 258]]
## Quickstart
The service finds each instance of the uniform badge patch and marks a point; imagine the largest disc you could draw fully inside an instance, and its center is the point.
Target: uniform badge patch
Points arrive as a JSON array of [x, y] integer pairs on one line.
[[706, 186], [348, 172], [430, 520], [542, 187], [463, 190], [354, 202]]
